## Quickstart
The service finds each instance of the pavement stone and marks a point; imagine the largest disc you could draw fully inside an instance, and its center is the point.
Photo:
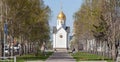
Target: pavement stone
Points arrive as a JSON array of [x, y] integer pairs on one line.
[[35, 61], [60, 57]]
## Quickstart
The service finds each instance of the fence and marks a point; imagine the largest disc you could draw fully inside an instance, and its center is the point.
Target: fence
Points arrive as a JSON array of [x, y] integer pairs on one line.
[[8, 59]]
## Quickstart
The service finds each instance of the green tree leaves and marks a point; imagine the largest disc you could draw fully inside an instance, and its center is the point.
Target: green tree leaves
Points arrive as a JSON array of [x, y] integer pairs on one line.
[[100, 20], [101, 31], [28, 18]]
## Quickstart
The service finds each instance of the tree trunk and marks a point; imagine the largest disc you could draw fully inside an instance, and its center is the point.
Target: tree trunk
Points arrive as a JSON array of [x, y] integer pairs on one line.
[[0, 44], [0, 49], [113, 52], [96, 47]]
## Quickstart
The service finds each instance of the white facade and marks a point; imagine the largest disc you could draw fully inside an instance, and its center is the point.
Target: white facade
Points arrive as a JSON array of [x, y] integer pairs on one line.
[[60, 39], [61, 23], [60, 33]]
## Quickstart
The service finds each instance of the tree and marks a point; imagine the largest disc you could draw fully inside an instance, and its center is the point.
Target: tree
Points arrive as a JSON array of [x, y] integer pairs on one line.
[[101, 17], [100, 32], [27, 20], [87, 15]]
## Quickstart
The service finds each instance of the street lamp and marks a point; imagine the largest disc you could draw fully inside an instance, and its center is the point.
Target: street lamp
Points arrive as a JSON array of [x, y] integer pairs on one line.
[[5, 30], [5, 34]]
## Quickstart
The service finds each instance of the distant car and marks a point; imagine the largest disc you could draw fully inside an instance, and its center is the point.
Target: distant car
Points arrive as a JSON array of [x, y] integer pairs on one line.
[[7, 51], [16, 48]]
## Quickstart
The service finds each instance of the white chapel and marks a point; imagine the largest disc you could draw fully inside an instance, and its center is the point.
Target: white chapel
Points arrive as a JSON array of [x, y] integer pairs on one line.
[[60, 33]]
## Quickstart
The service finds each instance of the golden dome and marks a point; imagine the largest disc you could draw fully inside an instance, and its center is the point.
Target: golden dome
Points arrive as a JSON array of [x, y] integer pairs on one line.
[[61, 16]]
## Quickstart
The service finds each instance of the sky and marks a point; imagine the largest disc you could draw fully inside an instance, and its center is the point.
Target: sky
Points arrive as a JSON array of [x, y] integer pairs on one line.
[[69, 7]]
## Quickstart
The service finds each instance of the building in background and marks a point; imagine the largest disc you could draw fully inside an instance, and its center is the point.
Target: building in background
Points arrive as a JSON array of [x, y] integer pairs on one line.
[[61, 33]]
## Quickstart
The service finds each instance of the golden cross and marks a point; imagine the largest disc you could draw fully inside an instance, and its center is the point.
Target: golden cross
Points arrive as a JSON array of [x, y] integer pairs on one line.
[[61, 5]]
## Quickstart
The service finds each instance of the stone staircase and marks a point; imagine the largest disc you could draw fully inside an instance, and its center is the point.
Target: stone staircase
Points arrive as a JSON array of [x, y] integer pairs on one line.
[[61, 50]]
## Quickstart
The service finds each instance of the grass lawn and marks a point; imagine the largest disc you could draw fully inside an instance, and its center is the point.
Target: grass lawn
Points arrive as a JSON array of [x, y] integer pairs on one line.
[[32, 57], [82, 56], [29, 57]]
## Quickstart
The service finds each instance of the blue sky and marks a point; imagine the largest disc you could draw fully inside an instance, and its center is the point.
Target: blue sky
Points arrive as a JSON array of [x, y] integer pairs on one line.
[[69, 7]]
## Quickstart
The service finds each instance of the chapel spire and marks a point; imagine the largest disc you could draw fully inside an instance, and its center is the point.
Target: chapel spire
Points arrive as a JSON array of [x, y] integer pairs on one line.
[[61, 15]]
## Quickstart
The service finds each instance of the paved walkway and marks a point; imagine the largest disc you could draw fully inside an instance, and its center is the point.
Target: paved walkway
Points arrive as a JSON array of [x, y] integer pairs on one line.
[[35, 61], [60, 57]]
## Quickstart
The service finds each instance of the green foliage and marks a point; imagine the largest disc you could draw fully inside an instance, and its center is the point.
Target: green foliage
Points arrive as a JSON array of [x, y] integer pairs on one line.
[[27, 18], [99, 19], [49, 45], [83, 56], [27, 21], [87, 16], [32, 57], [100, 32]]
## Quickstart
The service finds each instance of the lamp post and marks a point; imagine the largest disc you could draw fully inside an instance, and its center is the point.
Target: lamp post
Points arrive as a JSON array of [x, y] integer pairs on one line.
[[5, 34], [1, 28], [5, 31]]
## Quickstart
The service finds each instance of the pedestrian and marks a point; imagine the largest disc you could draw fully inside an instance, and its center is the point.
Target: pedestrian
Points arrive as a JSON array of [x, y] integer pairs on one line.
[[55, 50], [73, 50]]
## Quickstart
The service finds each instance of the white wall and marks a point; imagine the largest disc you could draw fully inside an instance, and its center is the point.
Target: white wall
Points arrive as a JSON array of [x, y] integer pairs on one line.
[[53, 40], [60, 25], [60, 42]]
